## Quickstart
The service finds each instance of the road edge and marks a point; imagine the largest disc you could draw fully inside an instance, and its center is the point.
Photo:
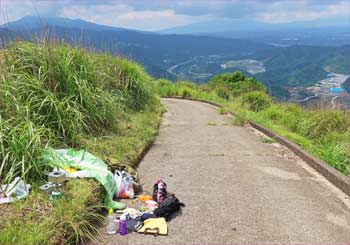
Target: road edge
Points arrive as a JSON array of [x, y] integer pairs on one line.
[[331, 174]]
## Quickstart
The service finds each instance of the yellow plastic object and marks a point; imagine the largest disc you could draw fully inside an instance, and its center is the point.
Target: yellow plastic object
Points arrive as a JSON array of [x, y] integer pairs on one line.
[[69, 169], [144, 198], [156, 226], [110, 211]]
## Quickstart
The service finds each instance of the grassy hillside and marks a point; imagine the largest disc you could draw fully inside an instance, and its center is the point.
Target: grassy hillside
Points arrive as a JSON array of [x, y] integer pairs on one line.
[[55, 95], [325, 133]]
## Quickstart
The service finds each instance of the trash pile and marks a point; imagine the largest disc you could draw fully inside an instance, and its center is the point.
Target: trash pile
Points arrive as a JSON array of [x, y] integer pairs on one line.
[[151, 217]]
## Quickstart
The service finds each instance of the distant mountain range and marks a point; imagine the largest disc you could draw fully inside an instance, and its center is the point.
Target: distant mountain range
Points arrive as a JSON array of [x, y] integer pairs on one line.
[[35, 22], [194, 57], [235, 25], [328, 32]]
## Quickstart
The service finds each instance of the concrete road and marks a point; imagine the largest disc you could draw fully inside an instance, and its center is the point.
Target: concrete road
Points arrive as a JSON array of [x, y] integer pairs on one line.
[[236, 188]]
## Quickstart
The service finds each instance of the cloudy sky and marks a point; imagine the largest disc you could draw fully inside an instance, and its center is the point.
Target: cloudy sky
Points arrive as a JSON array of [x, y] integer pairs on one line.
[[161, 14]]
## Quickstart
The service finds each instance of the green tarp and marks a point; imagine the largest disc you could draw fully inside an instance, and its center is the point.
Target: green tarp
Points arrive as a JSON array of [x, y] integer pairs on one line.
[[91, 167]]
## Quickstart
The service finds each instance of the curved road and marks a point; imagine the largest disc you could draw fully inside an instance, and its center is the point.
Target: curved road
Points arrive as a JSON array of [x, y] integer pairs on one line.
[[236, 188]]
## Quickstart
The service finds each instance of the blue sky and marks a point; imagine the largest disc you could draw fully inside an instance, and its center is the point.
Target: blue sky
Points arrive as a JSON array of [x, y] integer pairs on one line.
[[161, 14]]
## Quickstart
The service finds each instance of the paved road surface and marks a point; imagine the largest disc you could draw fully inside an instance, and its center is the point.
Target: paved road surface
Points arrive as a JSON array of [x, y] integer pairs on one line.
[[236, 188]]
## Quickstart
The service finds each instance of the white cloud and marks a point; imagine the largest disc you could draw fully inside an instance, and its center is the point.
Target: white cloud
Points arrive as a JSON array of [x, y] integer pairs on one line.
[[161, 14], [291, 11], [122, 15], [14, 10]]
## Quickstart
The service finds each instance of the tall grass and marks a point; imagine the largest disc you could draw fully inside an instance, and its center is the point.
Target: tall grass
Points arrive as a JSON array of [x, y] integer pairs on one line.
[[59, 86], [126, 78], [20, 149], [51, 93]]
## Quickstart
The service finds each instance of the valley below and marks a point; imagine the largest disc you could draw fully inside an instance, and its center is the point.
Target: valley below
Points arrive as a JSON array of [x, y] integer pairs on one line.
[[326, 93]]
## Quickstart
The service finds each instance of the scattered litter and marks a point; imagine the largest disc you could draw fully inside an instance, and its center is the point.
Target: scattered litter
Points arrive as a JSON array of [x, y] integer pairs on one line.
[[125, 184], [111, 226], [159, 191], [160, 207], [14, 191], [148, 216], [151, 205], [123, 229], [144, 198], [169, 207], [134, 224], [131, 212], [155, 226], [89, 166], [144, 209]]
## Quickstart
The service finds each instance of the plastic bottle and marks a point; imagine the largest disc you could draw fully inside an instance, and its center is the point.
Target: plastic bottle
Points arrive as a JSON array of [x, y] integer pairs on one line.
[[123, 230], [160, 190], [111, 226]]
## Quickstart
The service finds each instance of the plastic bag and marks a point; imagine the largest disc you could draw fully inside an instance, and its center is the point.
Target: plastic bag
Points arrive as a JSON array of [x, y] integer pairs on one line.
[[14, 191], [125, 184], [89, 166]]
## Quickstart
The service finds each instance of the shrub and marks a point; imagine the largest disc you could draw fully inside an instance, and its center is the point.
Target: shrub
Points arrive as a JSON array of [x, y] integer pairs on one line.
[[240, 118], [222, 93], [185, 93], [256, 101], [185, 84], [228, 77]]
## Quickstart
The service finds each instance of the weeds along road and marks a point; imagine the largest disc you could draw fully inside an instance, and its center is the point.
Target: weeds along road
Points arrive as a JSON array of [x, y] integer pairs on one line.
[[236, 188]]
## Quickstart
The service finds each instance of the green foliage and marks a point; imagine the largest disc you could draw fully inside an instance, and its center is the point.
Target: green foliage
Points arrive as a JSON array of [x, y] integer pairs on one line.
[[228, 78], [20, 149], [289, 115], [240, 119], [126, 147], [71, 220], [320, 123], [337, 155], [230, 85], [51, 93], [266, 140], [128, 78], [222, 92], [256, 101], [58, 85], [222, 111]]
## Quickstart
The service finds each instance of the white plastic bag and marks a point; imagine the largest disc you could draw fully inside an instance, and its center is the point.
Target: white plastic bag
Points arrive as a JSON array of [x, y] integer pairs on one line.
[[125, 184], [16, 188]]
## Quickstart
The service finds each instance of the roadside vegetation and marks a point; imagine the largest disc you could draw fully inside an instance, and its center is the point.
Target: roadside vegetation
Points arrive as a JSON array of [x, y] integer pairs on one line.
[[325, 133], [52, 94]]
